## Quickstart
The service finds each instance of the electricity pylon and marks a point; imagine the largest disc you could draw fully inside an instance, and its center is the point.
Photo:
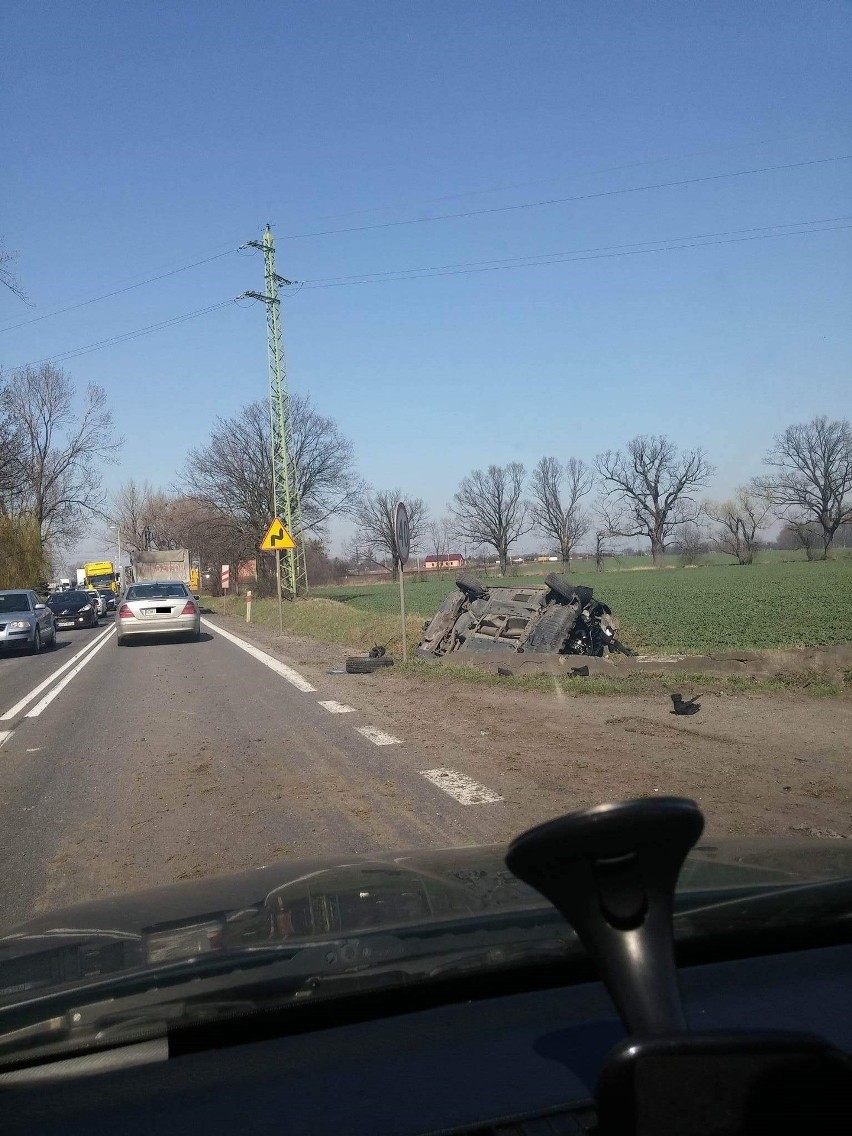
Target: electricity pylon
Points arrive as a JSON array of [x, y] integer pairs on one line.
[[286, 502]]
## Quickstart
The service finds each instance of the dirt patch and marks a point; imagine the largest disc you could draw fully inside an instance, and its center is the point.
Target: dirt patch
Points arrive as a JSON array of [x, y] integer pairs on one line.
[[758, 763]]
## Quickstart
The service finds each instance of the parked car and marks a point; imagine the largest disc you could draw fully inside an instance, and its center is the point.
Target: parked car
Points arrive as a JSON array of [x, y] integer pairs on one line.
[[26, 624], [73, 609], [155, 608]]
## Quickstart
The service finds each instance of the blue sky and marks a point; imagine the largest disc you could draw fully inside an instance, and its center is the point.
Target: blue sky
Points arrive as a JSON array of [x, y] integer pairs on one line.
[[140, 137]]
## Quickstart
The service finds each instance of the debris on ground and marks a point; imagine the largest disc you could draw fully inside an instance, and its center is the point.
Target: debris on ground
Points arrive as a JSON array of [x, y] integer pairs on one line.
[[505, 672], [377, 652], [685, 705], [559, 618], [358, 664], [580, 672]]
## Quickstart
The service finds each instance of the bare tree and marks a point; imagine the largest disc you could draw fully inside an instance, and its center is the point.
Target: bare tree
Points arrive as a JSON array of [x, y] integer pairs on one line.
[[488, 508], [811, 478], [130, 513], [438, 535], [61, 450], [649, 489], [557, 492], [7, 276], [739, 521], [375, 518], [233, 472], [600, 537]]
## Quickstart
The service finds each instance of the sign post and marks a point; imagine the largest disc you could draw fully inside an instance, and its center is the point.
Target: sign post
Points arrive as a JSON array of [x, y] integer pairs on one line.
[[402, 536], [277, 538], [248, 606], [226, 583]]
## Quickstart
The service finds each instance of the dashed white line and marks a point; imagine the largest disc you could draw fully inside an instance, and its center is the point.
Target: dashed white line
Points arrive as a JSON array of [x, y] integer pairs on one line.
[[60, 686], [463, 788], [287, 673], [337, 707], [5, 735], [378, 737], [36, 691]]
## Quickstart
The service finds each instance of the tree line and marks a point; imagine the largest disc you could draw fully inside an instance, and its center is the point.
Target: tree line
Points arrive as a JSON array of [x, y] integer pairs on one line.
[[56, 441], [652, 489]]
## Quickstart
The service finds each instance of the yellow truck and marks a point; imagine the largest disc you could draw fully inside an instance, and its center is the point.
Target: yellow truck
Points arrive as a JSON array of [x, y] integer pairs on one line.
[[101, 574]]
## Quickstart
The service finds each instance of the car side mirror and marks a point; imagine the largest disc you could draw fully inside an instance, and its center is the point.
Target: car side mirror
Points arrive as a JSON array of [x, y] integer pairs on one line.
[[40, 607]]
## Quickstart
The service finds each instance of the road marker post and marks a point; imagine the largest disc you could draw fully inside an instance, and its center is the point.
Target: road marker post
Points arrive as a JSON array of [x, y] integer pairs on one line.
[[402, 536], [248, 606], [226, 583]]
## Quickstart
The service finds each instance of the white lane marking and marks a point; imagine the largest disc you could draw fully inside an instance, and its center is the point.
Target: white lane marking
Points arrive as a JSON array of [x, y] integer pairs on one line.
[[464, 789], [337, 707], [5, 735], [378, 737], [276, 665], [60, 686], [36, 691]]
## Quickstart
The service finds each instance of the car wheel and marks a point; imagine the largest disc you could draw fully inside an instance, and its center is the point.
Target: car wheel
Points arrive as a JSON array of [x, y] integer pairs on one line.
[[356, 665], [52, 640], [466, 582], [37, 642], [552, 629]]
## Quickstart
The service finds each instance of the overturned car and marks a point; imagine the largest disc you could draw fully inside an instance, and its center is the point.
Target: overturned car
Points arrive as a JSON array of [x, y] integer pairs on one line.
[[560, 618]]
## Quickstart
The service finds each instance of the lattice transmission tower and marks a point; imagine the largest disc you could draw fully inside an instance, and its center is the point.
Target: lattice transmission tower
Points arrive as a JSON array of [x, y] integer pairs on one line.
[[286, 501]]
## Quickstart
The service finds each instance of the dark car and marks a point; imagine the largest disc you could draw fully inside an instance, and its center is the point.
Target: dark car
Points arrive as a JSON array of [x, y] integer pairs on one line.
[[73, 609], [108, 597], [560, 618]]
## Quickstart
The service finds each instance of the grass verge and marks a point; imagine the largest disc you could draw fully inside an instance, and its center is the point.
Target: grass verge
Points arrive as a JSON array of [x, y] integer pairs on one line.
[[327, 620], [637, 682]]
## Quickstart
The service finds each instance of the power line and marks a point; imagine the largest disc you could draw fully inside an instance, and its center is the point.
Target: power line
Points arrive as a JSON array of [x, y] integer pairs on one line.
[[560, 177], [425, 273], [544, 257], [119, 291], [449, 216], [495, 266], [563, 200], [124, 337]]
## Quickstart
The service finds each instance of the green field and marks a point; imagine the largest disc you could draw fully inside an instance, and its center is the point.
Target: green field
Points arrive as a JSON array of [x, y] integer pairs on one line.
[[776, 603]]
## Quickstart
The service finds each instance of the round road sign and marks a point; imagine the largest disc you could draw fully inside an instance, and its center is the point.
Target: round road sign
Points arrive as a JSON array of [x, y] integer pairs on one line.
[[403, 532]]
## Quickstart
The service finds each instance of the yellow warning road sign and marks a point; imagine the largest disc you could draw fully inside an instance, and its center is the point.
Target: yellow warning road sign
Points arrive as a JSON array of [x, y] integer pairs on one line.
[[276, 538]]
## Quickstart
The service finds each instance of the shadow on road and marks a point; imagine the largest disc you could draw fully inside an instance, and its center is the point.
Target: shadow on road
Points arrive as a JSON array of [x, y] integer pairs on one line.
[[163, 639]]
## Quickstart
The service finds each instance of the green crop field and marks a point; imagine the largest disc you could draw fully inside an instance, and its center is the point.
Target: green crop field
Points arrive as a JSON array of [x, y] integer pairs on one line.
[[777, 603]]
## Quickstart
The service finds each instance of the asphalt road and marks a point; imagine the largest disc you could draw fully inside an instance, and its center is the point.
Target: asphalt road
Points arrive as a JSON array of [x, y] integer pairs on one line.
[[124, 768]]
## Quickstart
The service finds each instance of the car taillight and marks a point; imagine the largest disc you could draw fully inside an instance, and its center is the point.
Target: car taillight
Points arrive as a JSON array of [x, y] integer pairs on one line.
[[189, 608], [124, 612]]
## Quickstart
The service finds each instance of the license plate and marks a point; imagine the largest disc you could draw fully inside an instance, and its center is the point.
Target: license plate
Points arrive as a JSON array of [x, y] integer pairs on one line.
[[147, 610], [65, 623]]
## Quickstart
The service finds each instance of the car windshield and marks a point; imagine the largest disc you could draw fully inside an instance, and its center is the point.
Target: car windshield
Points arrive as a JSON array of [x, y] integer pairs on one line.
[[156, 592], [14, 601], [68, 600], [450, 402]]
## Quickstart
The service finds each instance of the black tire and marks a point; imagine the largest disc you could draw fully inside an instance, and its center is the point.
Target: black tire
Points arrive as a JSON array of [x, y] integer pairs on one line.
[[357, 665], [36, 647], [468, 583], [52, 641], [562, 587], [551, 631]]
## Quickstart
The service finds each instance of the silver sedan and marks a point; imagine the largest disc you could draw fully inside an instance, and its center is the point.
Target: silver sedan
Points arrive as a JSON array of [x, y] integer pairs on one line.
[[25, 622], [157, 608]]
